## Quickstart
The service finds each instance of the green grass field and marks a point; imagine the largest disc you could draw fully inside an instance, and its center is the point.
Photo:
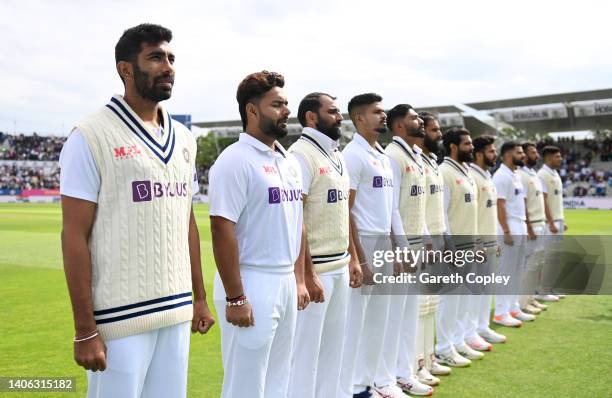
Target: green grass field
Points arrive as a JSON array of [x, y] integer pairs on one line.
[[567, 352]]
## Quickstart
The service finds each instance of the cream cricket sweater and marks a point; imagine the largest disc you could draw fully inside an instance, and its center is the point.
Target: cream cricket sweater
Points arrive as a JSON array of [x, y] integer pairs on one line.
[[326, 211], [141, 274]]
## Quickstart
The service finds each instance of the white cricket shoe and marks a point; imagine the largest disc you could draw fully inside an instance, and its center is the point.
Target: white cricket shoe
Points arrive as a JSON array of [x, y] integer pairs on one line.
[[492, 337], [390, 392], [521, 316], [439, 370], [551, 298], [530, 309], [507, 320], [414, 387], [479, 344], [452, 358], [539, 305], [465, 351], [427, 378]]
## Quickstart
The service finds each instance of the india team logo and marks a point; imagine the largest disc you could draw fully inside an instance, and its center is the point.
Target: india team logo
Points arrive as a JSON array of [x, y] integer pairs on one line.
[[186, 154]]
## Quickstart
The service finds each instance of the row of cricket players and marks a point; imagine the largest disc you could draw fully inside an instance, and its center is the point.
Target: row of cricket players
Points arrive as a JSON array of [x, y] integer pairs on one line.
[[300, 316]]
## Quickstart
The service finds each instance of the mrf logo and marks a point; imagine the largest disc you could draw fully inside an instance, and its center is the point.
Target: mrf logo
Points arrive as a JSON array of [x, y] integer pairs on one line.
[[380, 182], [145, 191], [324, 170], [336, 195], [278, 195], [270, 170], [127, 152]]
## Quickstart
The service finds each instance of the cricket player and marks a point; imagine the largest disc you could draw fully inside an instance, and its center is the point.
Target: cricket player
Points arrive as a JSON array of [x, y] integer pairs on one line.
[[130, 242], [371, 203], [256, 222], [399, 347], [479, 335], [461, 213], [511, 214], [534, 247], [552, 186], [319, 339], [428, 366]]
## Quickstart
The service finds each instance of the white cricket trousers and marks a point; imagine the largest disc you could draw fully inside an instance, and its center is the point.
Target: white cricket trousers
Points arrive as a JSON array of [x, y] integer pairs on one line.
[[511, 263], [257, 359], [146, 365], [319, 340], [366, 322], [552, 258], [534, 260], [486, 299]]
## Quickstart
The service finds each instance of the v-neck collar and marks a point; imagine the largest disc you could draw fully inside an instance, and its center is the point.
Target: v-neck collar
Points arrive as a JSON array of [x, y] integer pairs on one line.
[[161, 148], [314, 140], [459, 167], [409, 151]]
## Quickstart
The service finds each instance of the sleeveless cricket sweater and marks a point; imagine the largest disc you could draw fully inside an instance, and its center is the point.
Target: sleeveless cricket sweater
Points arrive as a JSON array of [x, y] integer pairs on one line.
[[535, 198], [554, 188], [486, 197], [434, 199], [326, 211], [141, 273], [412, 189], [463, 209]]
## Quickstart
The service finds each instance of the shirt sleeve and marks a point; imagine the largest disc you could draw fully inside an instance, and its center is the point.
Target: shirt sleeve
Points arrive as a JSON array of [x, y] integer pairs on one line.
[[306, 174], [195, 186], [544, 186], [79, 175], [396, 219], [503, 186], [228, 187], [447, 200], [355, 168]]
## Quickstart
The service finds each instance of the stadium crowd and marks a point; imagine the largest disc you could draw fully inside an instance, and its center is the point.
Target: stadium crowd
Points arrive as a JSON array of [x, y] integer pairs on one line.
[[579, 178]]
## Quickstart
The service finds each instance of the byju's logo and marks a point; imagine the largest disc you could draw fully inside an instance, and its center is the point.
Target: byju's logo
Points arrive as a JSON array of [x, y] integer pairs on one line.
[[145, 191], [141, 191], [379, 182], [336, 195], [277, 195], [416, 190], [434, 189]]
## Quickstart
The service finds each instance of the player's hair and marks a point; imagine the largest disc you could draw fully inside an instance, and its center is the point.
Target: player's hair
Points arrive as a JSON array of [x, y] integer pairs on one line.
[[130, 43], [550, 150], [361, 100], [481, 142], [397, 112], [427, 118], [528, 144], [310, 103], [453, 136], [508, 146], [253, 87]]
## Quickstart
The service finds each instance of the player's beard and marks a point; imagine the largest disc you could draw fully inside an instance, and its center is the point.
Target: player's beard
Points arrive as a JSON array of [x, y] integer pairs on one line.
[[518, 162], [417, 132], [431, 145], [148, 89], [272, 128], [489, 162], [531, 163], [333, 131], [382, 130], [465, 156]]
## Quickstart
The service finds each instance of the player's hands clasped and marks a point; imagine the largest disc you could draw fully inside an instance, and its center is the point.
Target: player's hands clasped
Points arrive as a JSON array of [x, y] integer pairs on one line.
[[315, 288]]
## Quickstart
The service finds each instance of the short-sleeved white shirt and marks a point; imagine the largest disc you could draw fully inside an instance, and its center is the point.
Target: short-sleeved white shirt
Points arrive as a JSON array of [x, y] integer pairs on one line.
[[260, 190], [371, 175], [79, 175], [510, 188]]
